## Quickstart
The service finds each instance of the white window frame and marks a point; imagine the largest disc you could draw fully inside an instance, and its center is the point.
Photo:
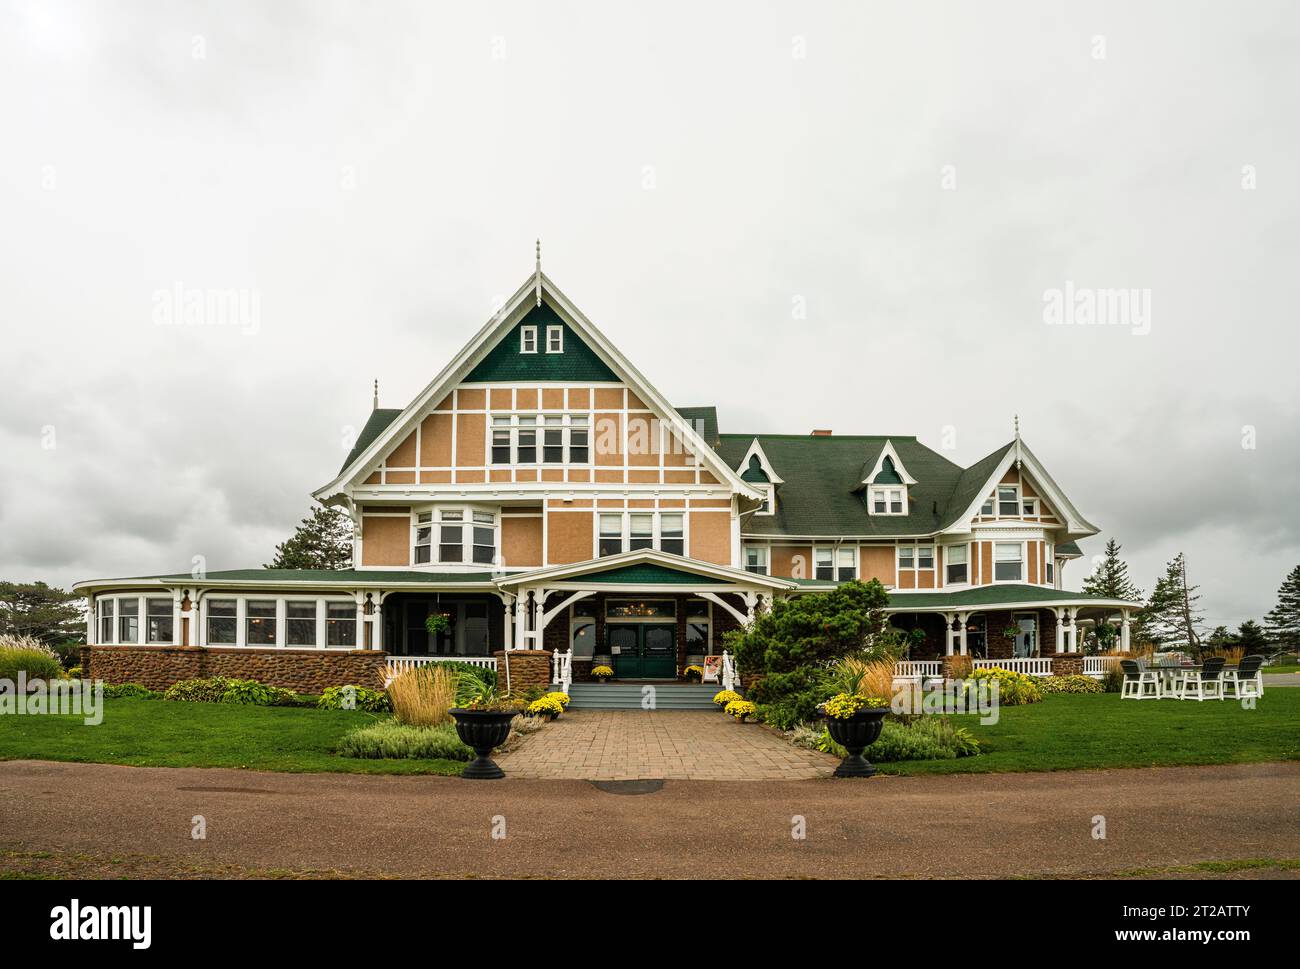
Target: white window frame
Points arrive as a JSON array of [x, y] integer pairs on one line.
[[990, 506], [769, 503], [1022, 561], [883, 494], [513, 424], [1014, 500], [915, 550], [527, 335], [1049, 564], [554, 338], [764, 563], [322, 602], [625, 529], [471, 517], [948, 563], [1029, 506]]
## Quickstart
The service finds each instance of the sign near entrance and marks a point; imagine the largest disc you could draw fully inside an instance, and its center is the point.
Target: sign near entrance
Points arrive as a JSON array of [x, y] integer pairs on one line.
[[712, 670]]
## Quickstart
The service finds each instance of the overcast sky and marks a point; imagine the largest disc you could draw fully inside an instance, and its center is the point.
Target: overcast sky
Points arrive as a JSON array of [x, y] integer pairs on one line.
[[841, 215]]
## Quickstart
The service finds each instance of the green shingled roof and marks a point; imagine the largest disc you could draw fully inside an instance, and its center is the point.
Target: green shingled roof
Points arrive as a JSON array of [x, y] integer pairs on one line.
[[377, 423], [988, 595], [273, 577], [704, 420], [577, 362], [647, 573], [823, 493]]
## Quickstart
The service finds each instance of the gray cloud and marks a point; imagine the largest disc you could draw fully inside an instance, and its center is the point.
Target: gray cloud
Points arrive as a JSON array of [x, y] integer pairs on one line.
[[376, 177]]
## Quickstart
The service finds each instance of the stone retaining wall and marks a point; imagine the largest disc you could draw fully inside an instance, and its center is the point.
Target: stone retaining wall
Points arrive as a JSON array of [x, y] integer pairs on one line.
[[300, 670]]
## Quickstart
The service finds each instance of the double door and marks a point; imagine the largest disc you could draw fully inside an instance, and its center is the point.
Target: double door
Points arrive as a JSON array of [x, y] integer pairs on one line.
[[643, 650]]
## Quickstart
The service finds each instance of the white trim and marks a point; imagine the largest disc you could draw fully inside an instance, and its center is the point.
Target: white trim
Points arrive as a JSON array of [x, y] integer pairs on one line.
[[756, 450], [888, 452], [554, 330], [525, 332]]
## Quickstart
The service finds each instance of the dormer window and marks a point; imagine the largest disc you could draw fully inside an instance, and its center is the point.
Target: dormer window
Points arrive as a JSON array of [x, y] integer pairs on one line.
[[528, 339], [555, 339], [768, 507], [888, 501]]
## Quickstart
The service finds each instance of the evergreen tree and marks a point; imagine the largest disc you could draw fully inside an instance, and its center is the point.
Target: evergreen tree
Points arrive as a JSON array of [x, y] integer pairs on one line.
[[1283, 622], [1110, 578], [1172, 616], [1252, 638], [322, 541], [47, 613]]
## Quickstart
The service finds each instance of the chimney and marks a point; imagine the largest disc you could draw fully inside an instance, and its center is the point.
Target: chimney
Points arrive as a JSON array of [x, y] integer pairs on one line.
[[818, 433]]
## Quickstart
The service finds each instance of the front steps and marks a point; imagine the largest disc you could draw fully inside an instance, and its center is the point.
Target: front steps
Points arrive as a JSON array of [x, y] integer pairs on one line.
[[640, 696]]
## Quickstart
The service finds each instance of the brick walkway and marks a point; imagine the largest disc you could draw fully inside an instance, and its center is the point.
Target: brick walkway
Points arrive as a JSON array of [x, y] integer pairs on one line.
[[670, 744]]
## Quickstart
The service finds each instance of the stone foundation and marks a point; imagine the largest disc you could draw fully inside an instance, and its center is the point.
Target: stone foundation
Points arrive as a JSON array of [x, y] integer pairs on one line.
[[301, 670], [528, 668]]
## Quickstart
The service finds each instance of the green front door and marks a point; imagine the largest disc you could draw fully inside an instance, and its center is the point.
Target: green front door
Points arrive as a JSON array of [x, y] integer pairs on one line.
[[643, 650]]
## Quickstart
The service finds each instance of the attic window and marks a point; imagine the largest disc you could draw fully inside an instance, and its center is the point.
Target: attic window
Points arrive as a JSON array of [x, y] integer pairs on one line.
[[888, 501], [528, 339], [555, 339]]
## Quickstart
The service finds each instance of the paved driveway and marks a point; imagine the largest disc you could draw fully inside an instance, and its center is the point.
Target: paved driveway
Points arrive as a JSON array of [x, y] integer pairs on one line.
[[664, 744]]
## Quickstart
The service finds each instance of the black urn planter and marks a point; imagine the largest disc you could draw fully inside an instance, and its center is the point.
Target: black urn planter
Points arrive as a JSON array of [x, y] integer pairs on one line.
[[855, 734], [482, 730]]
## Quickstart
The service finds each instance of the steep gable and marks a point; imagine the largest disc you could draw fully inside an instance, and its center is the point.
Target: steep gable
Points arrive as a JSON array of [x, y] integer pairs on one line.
[[506, 363]]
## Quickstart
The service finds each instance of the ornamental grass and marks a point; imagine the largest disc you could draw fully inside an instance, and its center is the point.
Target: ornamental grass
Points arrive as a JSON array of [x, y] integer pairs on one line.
[[28, 655], [423, 697]]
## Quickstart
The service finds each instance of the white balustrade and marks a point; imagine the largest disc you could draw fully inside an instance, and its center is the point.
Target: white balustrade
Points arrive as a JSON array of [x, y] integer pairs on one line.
[[1099, 666], [1029, 665], [923, 669], [562, 670], [398, 665]]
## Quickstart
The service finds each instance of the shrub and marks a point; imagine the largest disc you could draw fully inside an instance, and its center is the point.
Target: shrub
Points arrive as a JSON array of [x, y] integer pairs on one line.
[[1070, 684], [352, 697], [422, 697], [791, 697], [28, 655], [1113, 681], [485, 675], [390, 739], [197, 691], [253, 693], [923, 738], [118, 690], [1014, 689], [546, 706], [723, 697], [742, 710]]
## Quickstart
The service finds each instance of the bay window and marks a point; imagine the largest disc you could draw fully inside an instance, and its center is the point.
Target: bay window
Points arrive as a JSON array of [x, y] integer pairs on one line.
[[464, 535], [1049, 563], [955, 564], [1008, 562], [451, 536], [128, 620], [484, 536], [106, 620], [423, 538]]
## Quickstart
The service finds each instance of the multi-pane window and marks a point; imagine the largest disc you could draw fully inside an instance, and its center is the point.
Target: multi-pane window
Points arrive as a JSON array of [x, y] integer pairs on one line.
[[834, 563], [887, 501], [340, 624], [158, 620], [925, 556], [528, 339], [611, 534], [223, 618], [1008, 500], [259, 622], [300, 623], [672, 537], [106, 616], [565, 439], [955, 564], [128, 620], [1030, 506], [1008, 561], [698, 627], [665, 531], [987, 507], [457, 535], [555, 339], [906, 557], [756, 559], [916, 556]]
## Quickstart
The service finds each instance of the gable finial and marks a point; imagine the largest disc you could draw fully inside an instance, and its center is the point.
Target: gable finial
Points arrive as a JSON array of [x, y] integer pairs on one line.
[[1017, 424], [376, 402], [538, 274]]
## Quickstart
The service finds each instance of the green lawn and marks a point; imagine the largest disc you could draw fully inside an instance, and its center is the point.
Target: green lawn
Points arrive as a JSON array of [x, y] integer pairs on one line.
[[159, 733], [1281, 668], [1071, 732]]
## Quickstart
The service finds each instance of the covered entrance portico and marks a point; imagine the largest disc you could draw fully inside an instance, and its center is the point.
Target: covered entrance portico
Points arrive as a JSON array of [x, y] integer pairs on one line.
[[646, 614]]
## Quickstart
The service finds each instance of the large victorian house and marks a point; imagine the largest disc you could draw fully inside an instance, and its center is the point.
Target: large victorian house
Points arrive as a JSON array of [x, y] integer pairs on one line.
[[541, 493]]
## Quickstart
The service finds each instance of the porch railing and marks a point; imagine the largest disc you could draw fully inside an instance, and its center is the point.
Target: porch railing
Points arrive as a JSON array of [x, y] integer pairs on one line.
[[1029, 665], [562, 670], [397, 665], [917, 668], [730, 678], [1099, 666]]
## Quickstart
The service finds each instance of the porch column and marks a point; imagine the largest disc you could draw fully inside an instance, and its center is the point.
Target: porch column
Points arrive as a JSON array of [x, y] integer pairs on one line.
[[1060, 629], [947, 634], [377, 624], [1074, 630], [1125, 642], [361, 621], [751, 600], [508, 624], [961, 632], [90, 620]]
